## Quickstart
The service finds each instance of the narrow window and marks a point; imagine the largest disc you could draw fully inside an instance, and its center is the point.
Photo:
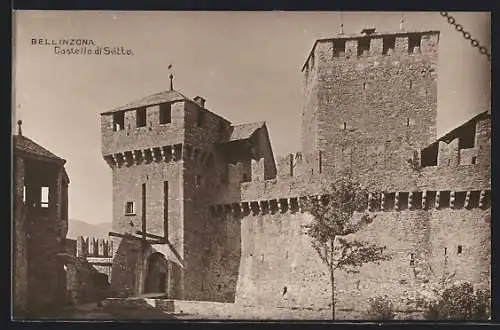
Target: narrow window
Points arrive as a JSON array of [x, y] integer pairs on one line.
[[140, 117], [44, 201], [473, 160], [338, 48], [445, 250], [363, 46], [459, 250], [197, 181], [364, 85], [388, 43], [130, 208], [414, 41], [165, 209], [165, 113], [24, 194], [410, 84], [118, 121], [345, 125], [412, 259], [408, 122]]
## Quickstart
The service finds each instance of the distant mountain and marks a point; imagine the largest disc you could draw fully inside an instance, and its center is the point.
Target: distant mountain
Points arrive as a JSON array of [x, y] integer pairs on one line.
[[81, 228]]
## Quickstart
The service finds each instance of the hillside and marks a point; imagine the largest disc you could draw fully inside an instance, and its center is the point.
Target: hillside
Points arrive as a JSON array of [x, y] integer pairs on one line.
[[82, 228]]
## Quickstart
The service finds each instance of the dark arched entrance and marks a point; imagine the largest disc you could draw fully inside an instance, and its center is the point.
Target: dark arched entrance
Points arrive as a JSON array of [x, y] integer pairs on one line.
[[156, 274]]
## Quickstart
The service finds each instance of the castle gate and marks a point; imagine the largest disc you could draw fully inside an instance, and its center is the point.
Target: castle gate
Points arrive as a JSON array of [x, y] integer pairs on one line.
[[156, 274]]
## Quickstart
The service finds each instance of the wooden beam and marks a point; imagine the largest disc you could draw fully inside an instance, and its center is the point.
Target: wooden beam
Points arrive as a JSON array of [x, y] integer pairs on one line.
[[130, 236], [150, 235]]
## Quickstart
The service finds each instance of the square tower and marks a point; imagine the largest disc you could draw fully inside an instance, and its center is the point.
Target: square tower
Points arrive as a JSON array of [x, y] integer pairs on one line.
[[369, 97], [160, 149]]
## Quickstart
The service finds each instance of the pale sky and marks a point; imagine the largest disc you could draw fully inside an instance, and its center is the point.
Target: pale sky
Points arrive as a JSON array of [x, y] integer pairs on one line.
[[245, 64]]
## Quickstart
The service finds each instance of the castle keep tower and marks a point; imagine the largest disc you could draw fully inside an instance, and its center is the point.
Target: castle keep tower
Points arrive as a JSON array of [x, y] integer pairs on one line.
[[171, 159], [370, 97]]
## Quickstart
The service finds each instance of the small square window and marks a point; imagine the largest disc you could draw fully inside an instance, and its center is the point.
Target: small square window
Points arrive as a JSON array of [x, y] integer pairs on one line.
[[130, 208]]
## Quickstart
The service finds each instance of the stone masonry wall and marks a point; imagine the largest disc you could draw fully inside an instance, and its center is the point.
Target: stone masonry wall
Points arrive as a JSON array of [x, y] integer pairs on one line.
[[367, 101], [138, 138], [276, 254]]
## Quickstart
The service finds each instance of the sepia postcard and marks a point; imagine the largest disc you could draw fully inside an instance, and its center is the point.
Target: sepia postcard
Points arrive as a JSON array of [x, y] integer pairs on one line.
[[251, 166]]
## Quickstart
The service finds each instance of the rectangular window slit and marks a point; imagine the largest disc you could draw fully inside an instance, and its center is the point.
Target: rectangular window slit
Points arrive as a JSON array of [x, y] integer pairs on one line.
[[338, 48], [118, 121], [363, 46], [388, 44], [44, 202], [140, 117], [414, 41], [165, 113]]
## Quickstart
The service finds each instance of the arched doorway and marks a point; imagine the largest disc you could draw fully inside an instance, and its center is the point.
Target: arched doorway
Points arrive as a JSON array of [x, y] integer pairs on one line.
[[156, 274]]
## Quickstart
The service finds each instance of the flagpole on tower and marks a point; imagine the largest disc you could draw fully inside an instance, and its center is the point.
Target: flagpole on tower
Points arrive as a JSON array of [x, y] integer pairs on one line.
[[341, 30], [402, 22], [171, 77]]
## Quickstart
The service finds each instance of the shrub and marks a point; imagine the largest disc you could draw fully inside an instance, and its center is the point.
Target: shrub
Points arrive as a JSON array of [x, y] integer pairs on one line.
[[381, 309], [460, 302]]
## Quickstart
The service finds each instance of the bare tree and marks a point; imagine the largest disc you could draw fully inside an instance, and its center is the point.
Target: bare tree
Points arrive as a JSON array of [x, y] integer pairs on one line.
[[333, 219]]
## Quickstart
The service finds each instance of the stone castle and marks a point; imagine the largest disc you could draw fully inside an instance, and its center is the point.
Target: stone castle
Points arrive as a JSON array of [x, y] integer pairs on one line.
[[202, 209]]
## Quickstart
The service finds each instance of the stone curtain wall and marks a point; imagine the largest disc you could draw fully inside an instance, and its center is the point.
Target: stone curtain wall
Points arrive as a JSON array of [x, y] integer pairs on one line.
[[275, 253]]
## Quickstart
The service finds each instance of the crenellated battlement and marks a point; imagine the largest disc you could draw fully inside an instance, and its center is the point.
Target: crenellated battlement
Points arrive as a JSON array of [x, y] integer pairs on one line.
[[372, 43], [377, 202], [468, 144], [92, 247]]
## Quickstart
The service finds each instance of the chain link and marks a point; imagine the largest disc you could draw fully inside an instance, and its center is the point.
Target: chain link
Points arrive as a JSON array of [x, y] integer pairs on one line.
[[467, 36]]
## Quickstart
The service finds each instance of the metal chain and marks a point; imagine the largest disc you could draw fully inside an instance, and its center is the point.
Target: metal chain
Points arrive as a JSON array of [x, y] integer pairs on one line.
[[467, 36]]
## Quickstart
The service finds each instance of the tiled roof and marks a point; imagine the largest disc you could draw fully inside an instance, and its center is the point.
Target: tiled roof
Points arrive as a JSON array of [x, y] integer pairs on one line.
[[24, 144], [245, 131], [161, 97]]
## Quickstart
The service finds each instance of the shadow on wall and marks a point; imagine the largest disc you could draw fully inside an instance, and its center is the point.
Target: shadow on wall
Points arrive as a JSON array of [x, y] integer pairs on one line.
[[123, 271], [222, 259]]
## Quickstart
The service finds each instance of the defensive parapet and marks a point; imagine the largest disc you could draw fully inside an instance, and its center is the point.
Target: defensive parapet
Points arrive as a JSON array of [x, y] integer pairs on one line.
[[94, 247]]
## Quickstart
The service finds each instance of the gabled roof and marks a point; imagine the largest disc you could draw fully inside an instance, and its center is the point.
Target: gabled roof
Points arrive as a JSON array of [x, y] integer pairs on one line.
[[154, 99], [25, 145], [245, 131]]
